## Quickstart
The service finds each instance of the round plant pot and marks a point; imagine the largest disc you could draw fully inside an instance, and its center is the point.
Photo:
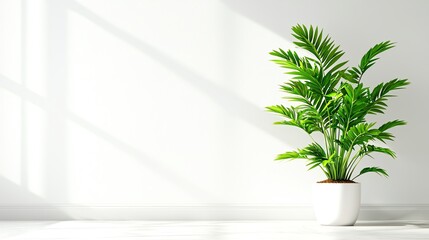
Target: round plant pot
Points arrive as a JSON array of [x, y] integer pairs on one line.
[[336, 204]]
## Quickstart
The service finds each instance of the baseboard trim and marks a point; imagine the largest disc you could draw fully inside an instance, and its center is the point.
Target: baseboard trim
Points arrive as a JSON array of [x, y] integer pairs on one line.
[[368, 212]]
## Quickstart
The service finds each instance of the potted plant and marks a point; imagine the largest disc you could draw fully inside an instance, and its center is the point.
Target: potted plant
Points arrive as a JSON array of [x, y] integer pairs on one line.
[[331, 102]]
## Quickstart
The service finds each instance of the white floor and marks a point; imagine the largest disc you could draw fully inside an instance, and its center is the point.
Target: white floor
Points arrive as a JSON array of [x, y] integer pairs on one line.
[[210, 230]]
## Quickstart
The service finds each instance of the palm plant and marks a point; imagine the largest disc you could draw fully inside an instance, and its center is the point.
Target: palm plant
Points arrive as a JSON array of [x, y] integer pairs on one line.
[[331, 99]]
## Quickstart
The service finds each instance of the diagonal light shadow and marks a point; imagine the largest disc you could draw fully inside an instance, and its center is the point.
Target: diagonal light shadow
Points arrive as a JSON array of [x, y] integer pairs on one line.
[[11, 192], [158, 168], [148, 161], [24, 39], [226, 99]]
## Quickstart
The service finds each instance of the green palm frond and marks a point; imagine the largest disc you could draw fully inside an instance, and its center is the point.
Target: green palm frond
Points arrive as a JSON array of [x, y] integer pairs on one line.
[[300, 68], [391, 124], [359, 135], [322, 47], [302, 117], [377, 170], [368, 60], [354, 106], [292, 57], [384, 135], [331, 99], [366, 150], [380, 94], [313, 153]]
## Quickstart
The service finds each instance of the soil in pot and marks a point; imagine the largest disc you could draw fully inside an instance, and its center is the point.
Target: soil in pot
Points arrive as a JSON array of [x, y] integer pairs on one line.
[[336, 181]]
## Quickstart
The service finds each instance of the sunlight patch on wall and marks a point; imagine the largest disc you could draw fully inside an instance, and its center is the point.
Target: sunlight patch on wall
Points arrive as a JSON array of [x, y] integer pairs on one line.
[[35, 142], [10, 40], [35, 46], [188, 95], [10, 137], [136, 101], [103, 171], [187, 31]]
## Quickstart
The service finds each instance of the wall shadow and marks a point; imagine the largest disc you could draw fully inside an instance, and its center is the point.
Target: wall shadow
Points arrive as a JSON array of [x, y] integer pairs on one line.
[[227, 100], [56, 182], [143, 158], [28, 209]]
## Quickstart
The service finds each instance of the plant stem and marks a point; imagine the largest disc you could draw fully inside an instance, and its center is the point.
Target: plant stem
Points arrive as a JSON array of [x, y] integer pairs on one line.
[[352, 166]]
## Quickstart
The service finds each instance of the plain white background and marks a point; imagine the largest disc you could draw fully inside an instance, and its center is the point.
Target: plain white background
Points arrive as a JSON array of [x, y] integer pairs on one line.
[[161, 103]]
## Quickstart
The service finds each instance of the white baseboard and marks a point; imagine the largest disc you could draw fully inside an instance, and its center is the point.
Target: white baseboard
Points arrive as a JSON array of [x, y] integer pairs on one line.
[[398, 212]]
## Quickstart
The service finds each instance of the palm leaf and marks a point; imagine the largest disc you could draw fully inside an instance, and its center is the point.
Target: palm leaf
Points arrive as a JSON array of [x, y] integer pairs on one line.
[[391, 124], [323, 48], [380, 94], [314, 153], [384, 135], [305, 118], [367, 61], [367, 149], [359, 134], [377, 170], [354, 106]]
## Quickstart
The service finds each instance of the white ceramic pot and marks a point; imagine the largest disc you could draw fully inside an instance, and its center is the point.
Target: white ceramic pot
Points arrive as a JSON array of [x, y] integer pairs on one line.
[[336, 204]]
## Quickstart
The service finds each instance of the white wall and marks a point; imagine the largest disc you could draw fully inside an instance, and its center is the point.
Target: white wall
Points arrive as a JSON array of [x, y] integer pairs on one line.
[[149, 104]]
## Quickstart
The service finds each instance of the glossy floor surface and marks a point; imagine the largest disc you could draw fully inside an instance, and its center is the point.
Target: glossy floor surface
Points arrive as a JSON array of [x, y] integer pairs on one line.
[[210, 230]]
